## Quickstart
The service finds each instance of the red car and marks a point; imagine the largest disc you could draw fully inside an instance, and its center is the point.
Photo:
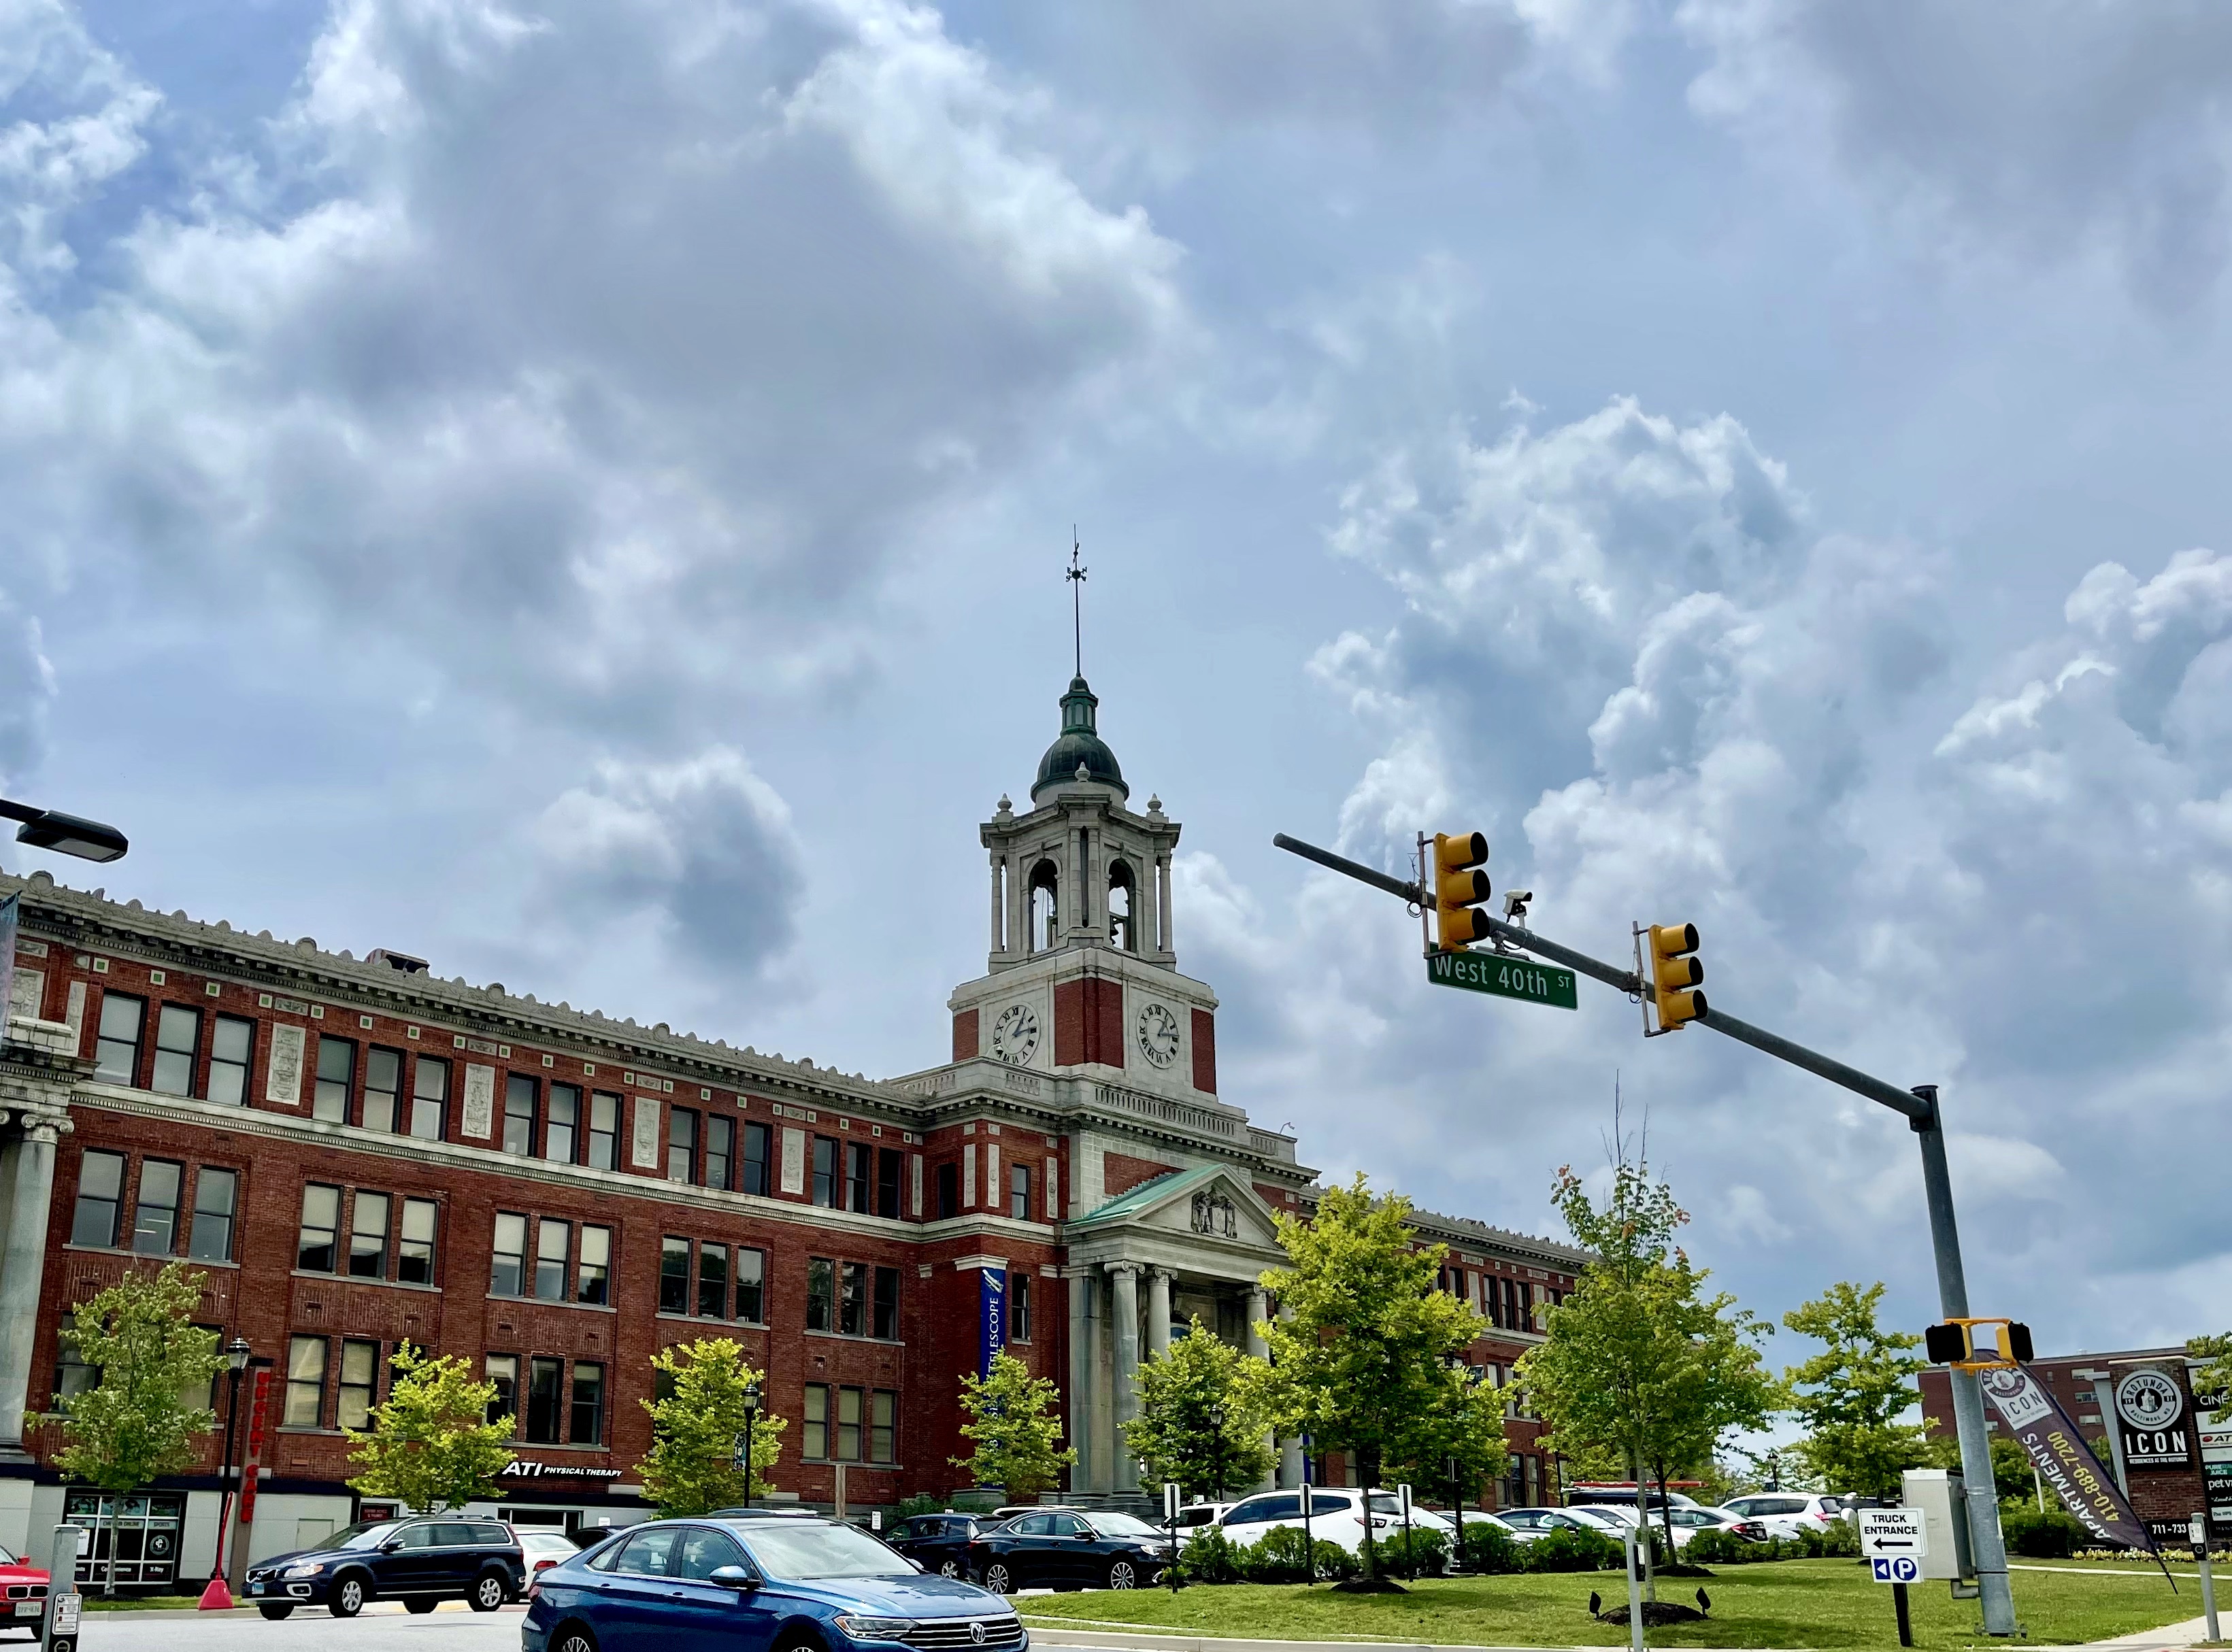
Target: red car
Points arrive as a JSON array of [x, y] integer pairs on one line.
[[26, 1594]]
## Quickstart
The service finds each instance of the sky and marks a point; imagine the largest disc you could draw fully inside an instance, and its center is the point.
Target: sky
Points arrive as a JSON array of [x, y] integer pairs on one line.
[[579, 493]]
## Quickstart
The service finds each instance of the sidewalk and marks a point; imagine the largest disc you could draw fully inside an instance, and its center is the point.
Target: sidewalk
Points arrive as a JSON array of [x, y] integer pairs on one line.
[[2171, 1637]]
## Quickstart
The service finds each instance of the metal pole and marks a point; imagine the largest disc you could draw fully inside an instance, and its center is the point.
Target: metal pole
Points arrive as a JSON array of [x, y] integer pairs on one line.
[[2199, 1531], [1986, 1546], [224, 1504], [1906, 1623], [1309, 1542], [57, 1634]]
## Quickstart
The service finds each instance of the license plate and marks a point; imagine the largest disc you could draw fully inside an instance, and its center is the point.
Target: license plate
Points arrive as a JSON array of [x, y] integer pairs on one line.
[[29, 1607], [256, 1589]]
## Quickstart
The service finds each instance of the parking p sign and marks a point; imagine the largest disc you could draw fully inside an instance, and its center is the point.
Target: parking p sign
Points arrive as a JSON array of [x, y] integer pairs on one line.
[[1894, 1568]]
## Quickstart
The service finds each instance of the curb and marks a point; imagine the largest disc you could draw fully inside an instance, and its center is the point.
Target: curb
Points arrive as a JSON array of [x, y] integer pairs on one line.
[[1132, 1641]]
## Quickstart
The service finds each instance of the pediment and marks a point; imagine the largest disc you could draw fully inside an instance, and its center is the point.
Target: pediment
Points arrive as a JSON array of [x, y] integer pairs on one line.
[[1212, 1203]]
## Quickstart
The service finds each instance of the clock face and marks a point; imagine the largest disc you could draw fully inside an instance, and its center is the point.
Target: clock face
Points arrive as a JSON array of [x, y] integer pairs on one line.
[[1015, 1034], [1158, 1035]]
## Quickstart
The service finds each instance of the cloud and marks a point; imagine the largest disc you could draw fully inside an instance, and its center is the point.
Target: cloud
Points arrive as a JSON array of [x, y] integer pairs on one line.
[[26, 691]]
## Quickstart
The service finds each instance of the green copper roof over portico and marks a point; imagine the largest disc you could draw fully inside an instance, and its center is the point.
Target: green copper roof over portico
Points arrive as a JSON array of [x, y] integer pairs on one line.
[[1149, 1194]]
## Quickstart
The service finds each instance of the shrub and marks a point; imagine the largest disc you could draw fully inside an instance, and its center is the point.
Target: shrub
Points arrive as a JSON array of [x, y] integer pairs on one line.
[[2042, 1533], [1567, 1550], [1419, 1551], [1489, 1549], [1210, 1558], [921, 1503], [1714, 1548], [1841, 1539], [1335, 1563], [1276, 1557]]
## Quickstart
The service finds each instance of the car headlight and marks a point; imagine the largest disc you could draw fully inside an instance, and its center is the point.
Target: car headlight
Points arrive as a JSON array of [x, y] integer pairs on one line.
[[310, 1571], [873, 1628]]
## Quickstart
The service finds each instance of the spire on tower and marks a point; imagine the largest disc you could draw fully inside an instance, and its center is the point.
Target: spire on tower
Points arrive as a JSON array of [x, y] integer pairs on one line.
[[1076, 577]]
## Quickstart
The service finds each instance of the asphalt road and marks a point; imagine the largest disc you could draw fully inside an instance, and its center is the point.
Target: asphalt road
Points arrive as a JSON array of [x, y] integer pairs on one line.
[[453, 1627]]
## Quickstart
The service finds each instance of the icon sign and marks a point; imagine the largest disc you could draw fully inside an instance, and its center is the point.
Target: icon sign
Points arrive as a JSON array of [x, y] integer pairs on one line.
[[1893, 1532], [1894, 1569]]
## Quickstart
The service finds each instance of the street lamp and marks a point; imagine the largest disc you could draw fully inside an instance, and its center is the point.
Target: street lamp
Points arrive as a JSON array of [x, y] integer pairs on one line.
[[752, 1415], [66, 834], [236, 1361]]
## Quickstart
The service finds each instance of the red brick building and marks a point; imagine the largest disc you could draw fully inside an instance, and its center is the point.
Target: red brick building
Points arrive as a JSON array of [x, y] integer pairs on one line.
[[359, 1153]]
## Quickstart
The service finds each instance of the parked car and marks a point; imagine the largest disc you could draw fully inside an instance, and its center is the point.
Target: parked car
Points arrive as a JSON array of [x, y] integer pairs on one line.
[[27, 1593], [1624, 1497], [1786, 1513], [1336, 1515], [1528, 1524], [1618, 1514], [544, 1547], [1198, 1514], [785, 1585], [1688, 1522], [418, 1562], [939, 1543], [1069, 1549]]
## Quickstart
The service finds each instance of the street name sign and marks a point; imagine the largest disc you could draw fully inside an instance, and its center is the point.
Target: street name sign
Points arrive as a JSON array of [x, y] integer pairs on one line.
[[1504, 976], [1894, 1568], [1893, 1532]]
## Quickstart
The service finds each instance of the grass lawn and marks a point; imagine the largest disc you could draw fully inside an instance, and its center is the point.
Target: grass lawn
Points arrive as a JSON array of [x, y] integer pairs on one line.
[[138, 1603], [1784, 1603]]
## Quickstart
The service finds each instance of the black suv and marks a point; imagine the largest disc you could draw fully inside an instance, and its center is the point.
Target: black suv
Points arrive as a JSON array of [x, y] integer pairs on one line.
[[419, 1562], [939, 1543]]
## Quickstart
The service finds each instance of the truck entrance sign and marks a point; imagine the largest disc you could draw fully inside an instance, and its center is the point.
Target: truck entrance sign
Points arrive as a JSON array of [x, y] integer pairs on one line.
[[1892, 1533]]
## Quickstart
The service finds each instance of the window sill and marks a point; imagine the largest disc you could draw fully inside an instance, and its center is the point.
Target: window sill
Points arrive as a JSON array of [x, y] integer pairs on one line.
[[847, 1462], [552, 1445], [146, 1256], [708, 1319], [359, 1278], [553, 1302], [843, 1336]]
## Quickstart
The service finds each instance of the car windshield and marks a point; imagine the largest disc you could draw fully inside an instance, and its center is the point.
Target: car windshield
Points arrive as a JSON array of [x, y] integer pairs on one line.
[[1384, 1503], [365, 1534], [802, 1551], [1123, 1525]]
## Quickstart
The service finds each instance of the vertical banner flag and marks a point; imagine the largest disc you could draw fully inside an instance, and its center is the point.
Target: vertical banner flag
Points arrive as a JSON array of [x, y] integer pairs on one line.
[[10, 912], [992, 1322], [2058, 1451]]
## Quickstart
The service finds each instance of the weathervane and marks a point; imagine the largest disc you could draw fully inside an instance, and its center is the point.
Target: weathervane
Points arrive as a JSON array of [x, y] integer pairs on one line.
[[1076, 577]]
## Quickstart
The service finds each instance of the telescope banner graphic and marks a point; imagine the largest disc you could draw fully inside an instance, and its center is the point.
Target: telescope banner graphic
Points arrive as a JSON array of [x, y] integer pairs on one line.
[[2063, 1459]]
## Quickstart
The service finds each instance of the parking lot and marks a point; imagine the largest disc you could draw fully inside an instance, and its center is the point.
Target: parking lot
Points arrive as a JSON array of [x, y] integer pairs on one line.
[[454, 1627]]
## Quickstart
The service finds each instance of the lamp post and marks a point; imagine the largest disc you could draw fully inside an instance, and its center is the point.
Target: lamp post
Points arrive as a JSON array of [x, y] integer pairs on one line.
[[751, 1417], [236, 1361], [66, 834]]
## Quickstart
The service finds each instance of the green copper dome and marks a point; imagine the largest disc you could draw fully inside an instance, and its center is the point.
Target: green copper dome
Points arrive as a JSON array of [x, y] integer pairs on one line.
[[1080, 743]]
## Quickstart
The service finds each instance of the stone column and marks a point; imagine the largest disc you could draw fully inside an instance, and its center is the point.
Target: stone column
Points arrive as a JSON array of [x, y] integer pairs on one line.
[[22, 1266], [999, 905], [1084, 1377], [1159, 1311], [1162, 904], [1124, 1312], [1259, 1310]]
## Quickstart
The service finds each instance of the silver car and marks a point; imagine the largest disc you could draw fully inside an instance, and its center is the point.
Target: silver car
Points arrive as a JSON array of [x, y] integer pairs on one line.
[[1784, 1514]]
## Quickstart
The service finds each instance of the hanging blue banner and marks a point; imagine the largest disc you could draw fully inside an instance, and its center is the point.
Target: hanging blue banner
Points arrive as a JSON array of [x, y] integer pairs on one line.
[[10, 910], [992, 1320]]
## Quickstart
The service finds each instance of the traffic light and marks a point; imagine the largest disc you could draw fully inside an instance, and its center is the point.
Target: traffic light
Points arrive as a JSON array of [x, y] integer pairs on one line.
[[1946, 1344], [1460, 888], [1957, 1343], [1676, 974], [2014, 1342]]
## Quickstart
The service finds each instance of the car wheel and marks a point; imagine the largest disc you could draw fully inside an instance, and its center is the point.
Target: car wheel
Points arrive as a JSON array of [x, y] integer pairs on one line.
[[347, 1598], [997, 1580], [419, 1608], [951, 1568], [273, 1610], [489, 1593], [572, 1638], [1122, 1574]]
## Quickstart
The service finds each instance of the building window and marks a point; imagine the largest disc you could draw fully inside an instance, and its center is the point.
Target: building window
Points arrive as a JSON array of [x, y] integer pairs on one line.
[[155, 1214], [231, 1045], [1046, 907], [368, 1236], [123, 1021], [588, 1420], [888, 1162], [681, 1144], [509, 1275], [603, 1132], [382, 1089], [720, 1151], [315, 1251], [712, 1281], [1019, 1306], [429, 1096], [825, 1172], [73, 1377], [552, 1241], [1019, 1192], [99, 1200], [216, 1197], [178, 1035], [1123, 933], [503, 1373], [884, 1443], [305, 1383], [858, 1159], [415, 1257], [360, 1371], [751, 1286], [820, 1293], [853, 1305], [755, 1159], [564, 1119], [519, 1114], [546, 1380], [592, 1281], [674, 1276], [814, 1436], [849, 1424], [948, 1191], [336, 1069], [887, 1304]]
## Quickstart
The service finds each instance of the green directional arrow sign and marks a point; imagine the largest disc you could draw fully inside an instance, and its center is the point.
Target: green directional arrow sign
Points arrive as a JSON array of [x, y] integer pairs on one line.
[[1504, 976]]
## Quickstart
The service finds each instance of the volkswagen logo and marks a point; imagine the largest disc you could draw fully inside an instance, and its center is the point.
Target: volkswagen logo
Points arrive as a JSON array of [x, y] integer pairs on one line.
[[976, 1634]]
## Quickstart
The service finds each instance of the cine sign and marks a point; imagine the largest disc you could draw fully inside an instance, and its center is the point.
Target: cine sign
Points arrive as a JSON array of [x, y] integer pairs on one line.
[[1503, 975]]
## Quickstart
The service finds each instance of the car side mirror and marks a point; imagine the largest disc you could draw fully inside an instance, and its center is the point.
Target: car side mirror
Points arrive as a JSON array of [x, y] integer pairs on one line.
[[391, 1545], [735, 1577]]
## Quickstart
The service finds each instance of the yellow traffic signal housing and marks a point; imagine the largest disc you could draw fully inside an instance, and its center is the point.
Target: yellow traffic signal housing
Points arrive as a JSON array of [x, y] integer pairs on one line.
[[1459, 889], [1676, 974]]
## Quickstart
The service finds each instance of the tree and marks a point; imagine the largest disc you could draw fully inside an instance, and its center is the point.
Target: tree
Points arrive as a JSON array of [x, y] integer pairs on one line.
[[432, 1444], [2216, 1377], [1366, 1351], [2011, 1466], [1851, 1396], [691, 1468], [1014, 1429], [136, 1422], [1201, 1421]]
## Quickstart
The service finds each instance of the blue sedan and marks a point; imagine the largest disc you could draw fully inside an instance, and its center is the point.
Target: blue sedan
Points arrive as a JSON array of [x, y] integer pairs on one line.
[[768, 1584]]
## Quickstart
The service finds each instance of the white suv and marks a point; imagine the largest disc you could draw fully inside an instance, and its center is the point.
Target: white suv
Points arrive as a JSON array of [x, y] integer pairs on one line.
[[1336, 1515], [1784, 1514]]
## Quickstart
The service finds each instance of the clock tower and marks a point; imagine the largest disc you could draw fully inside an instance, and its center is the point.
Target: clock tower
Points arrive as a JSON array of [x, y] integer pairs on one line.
[[1083, 975]]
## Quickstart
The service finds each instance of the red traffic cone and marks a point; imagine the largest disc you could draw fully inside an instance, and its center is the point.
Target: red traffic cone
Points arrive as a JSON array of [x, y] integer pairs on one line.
[[216, 1597]]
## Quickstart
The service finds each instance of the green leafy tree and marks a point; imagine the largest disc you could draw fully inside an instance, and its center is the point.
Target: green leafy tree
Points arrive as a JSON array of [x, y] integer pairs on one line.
[[1366, 1350], [2216, 1377], [1851, 1396], [1014, 1429], [1201, 1422], [2011, 1469], [691, 1468], [432, 1444], [141, 1420]]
